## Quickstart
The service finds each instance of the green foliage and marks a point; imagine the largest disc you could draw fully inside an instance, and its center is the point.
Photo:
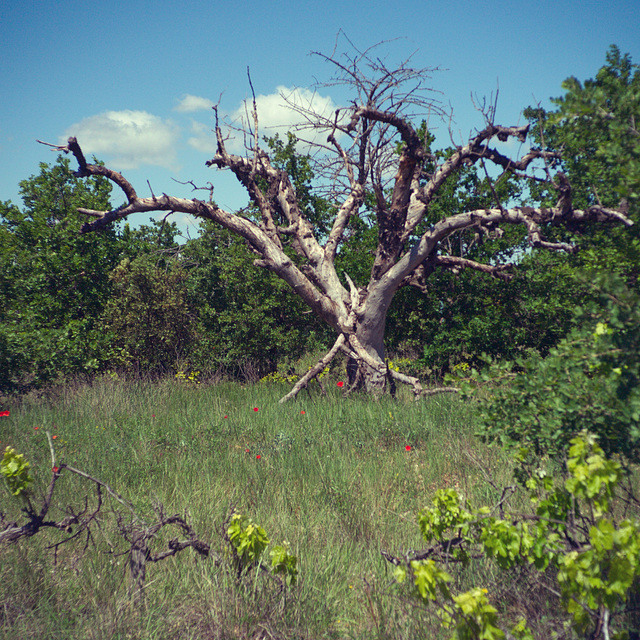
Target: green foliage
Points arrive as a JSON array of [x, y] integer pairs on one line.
[[602, 573], [447, 515], [592, 476], [248, 320], [284, 563], [575, 529], [596, 122], [472, 617], [193, 377], [250, 541], [576, 411], [148, 315], [15, 469], [590, 380], [469, 615], [54, 281], [430, 580], [595, 127], [478, 314], [279, 377], [158, 238], [604, 569]]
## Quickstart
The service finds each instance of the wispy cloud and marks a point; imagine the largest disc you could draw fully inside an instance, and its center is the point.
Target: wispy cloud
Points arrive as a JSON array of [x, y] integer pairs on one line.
[[281, 110], [278, 112], [203, 138], [189, 104], [128, 138]]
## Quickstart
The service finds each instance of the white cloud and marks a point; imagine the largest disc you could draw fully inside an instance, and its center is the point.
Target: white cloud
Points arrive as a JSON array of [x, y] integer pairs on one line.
[[277, 113], [189, 104], [204, 139], [129, 138]]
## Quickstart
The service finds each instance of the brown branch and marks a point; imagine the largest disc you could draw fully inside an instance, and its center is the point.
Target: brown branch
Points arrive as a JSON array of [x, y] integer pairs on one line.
[[85, 170], [441, 551], [509, 164], [469, 153], [455, 263], [418, 391], [348, 209], [405, 129], [531, 217], [109, 490], [419, 276], [138, 534]]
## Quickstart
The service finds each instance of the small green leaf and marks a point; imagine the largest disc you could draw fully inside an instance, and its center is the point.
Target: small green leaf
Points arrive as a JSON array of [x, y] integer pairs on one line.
[[15, 470]]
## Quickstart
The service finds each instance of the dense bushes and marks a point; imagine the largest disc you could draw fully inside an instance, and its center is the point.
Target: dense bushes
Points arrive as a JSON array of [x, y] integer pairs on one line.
[[54, 282], [248, 320], [590, 380]]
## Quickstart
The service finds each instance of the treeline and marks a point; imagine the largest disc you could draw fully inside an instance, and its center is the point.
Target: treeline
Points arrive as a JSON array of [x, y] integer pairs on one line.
[[131, 300], [137, 301]]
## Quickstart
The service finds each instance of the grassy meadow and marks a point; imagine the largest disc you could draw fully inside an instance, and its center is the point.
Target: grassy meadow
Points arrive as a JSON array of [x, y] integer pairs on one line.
[[339, 478]]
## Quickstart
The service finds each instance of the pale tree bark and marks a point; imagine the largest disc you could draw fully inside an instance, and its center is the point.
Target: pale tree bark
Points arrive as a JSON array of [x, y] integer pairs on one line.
[[374, 148]]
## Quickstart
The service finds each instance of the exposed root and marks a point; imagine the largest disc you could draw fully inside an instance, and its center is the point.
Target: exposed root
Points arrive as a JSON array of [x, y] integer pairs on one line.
[[315, 370], [416, 387], [356, 352]]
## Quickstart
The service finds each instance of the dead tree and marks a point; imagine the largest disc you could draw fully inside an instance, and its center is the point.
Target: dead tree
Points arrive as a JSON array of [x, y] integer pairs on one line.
[[80, 524], [372, 147]]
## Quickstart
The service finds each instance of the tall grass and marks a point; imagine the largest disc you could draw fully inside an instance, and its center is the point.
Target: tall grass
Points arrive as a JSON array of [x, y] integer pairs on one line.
[[333, 477]]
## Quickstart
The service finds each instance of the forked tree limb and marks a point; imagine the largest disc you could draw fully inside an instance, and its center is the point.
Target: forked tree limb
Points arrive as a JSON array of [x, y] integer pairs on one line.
[[85, 170]]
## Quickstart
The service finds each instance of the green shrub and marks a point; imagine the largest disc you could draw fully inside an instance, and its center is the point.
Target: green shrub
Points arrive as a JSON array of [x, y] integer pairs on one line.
[[591, 380]]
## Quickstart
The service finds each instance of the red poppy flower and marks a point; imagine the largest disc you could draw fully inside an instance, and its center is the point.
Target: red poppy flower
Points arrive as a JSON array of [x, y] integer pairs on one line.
[[408, 447], [55, 469], [258, 457], [226, 416], [246, 450], [340, 384], [36, 428], [4, 414], [255, 408], [54, 437], [302, 412]]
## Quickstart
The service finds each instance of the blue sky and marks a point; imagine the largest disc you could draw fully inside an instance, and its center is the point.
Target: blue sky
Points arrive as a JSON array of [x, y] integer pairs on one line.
[[134, 80]]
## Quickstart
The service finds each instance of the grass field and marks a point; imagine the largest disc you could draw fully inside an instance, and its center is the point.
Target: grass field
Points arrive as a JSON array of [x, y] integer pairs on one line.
[[339, 478]]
